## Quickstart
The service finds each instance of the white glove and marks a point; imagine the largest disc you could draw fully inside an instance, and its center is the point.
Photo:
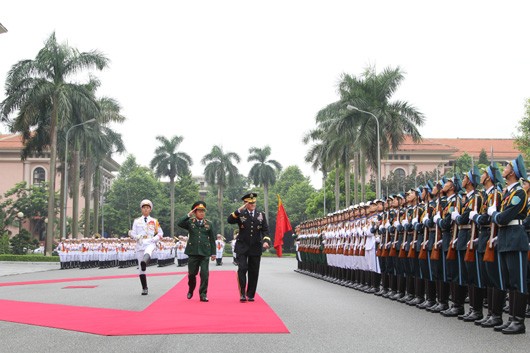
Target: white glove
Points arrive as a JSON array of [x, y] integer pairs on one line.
[[492, 209], [396, 223], [472, 214], [381, 228], [387, 224], [454, 215], [426, 221], [494, 241], [404, 222], [436, 217], [439, 243], [377, 239], [414, 221]]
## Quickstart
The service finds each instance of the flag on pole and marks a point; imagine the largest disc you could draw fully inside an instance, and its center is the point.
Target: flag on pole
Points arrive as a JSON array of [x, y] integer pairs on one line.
[[282, 226]]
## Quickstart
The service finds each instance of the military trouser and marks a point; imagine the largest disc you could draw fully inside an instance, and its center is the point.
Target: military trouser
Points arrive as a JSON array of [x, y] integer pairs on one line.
[[195, 263]]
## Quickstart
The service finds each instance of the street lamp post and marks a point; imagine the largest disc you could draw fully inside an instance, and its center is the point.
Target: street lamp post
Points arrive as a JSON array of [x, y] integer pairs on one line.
[[378, 185], [65, 189], [20, 216]]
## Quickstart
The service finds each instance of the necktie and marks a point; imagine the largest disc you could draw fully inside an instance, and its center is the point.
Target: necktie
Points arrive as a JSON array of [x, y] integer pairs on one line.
[[251, 214], [145, 219]]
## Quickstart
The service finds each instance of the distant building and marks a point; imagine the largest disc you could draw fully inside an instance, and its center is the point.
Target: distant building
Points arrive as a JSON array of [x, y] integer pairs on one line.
[[34, 170], [203, 185], [441, 153]]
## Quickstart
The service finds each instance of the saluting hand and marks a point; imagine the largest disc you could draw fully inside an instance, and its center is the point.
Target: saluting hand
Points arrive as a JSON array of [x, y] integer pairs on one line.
[[192, 212], [240, 209]]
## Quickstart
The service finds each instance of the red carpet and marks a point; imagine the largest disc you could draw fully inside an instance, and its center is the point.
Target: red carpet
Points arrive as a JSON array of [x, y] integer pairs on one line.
[[172, 313]]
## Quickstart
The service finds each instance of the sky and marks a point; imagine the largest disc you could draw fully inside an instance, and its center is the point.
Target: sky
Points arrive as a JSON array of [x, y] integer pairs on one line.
[[244, 74]]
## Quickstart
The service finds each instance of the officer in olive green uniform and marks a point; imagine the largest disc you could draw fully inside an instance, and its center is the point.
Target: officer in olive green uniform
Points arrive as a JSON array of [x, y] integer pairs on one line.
[[253, 236], [200, 247]]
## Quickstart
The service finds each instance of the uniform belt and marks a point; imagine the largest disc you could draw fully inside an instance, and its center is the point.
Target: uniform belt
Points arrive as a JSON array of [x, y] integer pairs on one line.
[[514, 222], [432, 229], [464, 226]]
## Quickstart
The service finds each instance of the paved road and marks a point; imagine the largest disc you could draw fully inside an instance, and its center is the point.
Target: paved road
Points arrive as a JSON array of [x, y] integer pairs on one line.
[[322, 317]]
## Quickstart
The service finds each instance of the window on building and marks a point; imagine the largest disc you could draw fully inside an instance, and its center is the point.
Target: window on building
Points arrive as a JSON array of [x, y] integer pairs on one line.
[[407, 157], [39, 176], [400, 173]]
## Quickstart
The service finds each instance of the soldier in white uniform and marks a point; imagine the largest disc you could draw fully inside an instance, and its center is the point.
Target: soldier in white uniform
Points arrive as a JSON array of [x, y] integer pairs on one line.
[[147, 232], [219, 249]]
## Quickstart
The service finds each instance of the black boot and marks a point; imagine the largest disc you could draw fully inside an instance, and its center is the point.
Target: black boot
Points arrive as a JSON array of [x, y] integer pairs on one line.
[[499, 328], [459, 296], [478, 304], [443, 297], [400, 288], [419, 287], [409, 283], [496, 309], [471, 292], [489, 300], [145, 262], [518, 308], [143, 280]]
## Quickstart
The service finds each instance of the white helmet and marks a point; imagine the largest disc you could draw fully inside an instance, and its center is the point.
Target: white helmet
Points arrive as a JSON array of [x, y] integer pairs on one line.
[[146, 202]]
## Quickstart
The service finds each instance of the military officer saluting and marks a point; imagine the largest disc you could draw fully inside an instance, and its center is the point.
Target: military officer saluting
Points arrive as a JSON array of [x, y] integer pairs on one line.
[[200, 247], [253, 236]]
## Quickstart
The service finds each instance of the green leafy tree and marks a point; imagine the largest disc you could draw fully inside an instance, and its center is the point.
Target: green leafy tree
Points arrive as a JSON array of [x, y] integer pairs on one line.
[[4, 243], [263, 172], [483, 157], [462, 164], [23, 242], [34, 86], [220, 171], [168, 162], [133, 184], [522, 139]]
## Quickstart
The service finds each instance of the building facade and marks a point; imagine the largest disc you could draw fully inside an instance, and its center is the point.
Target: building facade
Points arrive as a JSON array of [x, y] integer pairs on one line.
[[34, 171]]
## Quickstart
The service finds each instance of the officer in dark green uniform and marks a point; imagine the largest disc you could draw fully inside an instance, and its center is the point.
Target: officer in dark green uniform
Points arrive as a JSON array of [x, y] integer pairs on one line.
[[513, 244], [200, 247], [253, 237]]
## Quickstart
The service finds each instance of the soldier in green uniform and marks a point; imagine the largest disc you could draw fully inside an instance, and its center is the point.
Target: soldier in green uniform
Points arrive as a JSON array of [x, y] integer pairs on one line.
[[200, 247]]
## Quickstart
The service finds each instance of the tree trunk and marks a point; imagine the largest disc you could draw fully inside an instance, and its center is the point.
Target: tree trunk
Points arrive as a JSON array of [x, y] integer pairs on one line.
[[172, 199], [61, 203], [75, 198], [266, 200], [324, 177], [347, 169], [51, 179], [356, 178], [337, 186], [97, 195], [363, 176], [220, 206], [88, 182]]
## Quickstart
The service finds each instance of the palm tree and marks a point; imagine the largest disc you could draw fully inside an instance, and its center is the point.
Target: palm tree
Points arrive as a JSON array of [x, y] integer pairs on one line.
[[220, 171], [104, 142], [170, 163], [30, 83], [373, 92], [263, 173]]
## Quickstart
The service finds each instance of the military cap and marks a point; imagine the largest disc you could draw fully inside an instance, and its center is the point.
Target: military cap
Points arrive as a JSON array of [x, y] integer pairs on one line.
[[474, 176], [494, 173], [457, 182], [199, 205], [518, 167], [146, 202], [250, 197]]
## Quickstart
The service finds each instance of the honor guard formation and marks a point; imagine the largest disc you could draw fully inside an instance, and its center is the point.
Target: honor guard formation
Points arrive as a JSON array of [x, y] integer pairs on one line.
[[459, 238]]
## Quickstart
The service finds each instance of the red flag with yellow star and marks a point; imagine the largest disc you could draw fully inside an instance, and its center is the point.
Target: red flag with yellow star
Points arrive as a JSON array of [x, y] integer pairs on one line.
[[282, 226]]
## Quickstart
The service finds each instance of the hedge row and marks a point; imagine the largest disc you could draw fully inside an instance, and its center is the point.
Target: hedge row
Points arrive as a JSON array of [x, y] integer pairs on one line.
[[29, 258]]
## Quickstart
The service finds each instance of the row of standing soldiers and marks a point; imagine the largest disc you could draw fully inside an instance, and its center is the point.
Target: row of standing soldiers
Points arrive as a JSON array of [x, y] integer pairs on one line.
[[447, 239]]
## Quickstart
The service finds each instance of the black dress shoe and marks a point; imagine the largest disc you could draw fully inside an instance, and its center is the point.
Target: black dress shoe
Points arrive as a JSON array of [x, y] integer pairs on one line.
[[242, 299], [250, 299], [190, 295], [474, 316], [204, 299], [515, 327], [493, 321], [144, 291], [453, 311]]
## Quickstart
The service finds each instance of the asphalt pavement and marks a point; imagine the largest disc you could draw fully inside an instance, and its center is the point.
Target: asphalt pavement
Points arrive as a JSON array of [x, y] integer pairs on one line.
[[321, 317]]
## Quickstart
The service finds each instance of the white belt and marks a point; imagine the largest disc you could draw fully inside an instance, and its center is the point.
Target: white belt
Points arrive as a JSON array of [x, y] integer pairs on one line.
[[514, 222]]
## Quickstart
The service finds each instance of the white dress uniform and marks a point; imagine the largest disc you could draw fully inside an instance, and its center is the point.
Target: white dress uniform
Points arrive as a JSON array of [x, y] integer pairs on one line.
[[147, 232], [219, 249]]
